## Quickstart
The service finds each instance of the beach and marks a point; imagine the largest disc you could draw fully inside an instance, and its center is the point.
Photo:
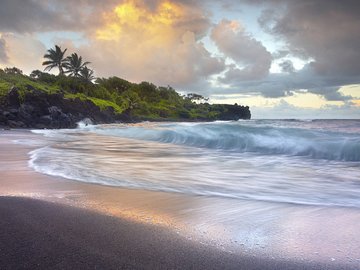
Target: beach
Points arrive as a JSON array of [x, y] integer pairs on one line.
[[176, 134], [52, 222]]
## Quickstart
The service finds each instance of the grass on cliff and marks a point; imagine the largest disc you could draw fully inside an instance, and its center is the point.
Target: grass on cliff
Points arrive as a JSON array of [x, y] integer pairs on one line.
[[101, 103], [23, 82]]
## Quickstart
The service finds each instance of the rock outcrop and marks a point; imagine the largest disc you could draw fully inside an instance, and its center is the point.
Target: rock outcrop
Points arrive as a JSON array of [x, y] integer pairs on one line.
[[37, 109]]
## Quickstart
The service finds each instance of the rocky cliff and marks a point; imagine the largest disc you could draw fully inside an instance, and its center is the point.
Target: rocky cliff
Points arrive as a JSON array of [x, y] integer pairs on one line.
[[37, 109]]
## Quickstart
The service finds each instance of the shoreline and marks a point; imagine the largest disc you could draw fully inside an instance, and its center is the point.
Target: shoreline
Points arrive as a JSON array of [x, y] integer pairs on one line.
[[295, 236]]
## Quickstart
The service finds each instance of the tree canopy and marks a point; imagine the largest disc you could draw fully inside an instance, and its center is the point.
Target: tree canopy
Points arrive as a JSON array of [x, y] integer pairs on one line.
[[72, 65]]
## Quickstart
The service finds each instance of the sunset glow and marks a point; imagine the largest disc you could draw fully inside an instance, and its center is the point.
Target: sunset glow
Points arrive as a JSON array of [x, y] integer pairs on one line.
[[131, 16]]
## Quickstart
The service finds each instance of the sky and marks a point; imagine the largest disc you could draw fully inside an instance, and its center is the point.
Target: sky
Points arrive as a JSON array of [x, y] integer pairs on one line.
[[283, 58]]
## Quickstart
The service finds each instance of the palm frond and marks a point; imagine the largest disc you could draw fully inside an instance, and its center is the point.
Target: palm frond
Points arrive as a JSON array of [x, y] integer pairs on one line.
[[55, 59], [74, 64]]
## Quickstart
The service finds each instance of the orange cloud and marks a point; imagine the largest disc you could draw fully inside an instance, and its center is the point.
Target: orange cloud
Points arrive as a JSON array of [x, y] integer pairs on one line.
[[135, 17], [357, 102], [161, 44]]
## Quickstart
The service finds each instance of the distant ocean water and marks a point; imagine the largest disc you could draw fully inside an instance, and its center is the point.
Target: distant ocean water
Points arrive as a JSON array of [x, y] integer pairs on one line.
[[314, 162]]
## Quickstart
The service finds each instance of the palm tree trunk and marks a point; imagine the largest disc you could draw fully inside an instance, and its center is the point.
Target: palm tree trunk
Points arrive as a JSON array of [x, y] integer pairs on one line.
[[61, 71]]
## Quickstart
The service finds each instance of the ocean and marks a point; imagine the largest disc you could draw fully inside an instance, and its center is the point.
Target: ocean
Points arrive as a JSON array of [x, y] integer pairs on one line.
[[308, 162]]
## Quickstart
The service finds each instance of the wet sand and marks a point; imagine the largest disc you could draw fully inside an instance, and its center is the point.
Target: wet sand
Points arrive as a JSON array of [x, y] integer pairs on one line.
[[41, 235], [50, 222]]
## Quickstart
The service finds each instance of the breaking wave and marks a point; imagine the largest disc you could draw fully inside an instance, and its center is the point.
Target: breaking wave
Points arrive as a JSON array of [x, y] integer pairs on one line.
[[237, 137]]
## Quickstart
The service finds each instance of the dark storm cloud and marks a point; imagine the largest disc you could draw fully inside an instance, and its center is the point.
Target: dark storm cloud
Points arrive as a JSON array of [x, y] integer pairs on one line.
[[277, 85], [22, 16], [28, 16], [287, 66], [326, 33]]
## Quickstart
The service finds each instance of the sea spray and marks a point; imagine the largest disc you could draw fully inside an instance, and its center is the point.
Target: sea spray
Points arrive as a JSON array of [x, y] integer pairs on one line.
[[86, 122]]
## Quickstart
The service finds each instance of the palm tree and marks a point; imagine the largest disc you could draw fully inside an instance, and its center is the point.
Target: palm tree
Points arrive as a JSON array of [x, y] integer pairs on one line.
[[55, 59], [87, 74], [74, 64]]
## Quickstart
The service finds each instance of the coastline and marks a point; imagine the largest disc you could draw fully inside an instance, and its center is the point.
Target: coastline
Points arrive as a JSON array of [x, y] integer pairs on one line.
[[247, 234]]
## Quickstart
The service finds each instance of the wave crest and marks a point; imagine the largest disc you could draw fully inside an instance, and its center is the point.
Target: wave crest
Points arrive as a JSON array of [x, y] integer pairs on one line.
[[238, 137]]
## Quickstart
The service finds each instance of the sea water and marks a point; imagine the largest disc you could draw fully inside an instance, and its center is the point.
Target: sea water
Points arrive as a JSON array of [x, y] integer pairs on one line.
[[313, 162]]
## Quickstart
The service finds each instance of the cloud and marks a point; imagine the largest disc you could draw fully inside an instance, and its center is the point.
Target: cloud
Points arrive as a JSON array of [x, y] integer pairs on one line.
[[3, 53], [157, 40], [331, 93], [325, 31], [287, 66], [280, 54], [160, 44], [325, 34], [277, 85], [252, 59], [23, 51], [18, 16], [15, 15], [254, 77], [284, 109]]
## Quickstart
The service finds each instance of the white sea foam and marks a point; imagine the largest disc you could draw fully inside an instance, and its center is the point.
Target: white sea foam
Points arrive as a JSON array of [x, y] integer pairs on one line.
[[279, 161]]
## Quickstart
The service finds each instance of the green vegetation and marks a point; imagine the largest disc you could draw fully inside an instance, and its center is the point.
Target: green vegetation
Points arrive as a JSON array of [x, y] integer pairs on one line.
[[10, 77], [143, 101]]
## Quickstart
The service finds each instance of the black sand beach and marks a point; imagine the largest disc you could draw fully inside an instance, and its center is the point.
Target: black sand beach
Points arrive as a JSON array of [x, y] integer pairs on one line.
[[53, 223], [41, 235]]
